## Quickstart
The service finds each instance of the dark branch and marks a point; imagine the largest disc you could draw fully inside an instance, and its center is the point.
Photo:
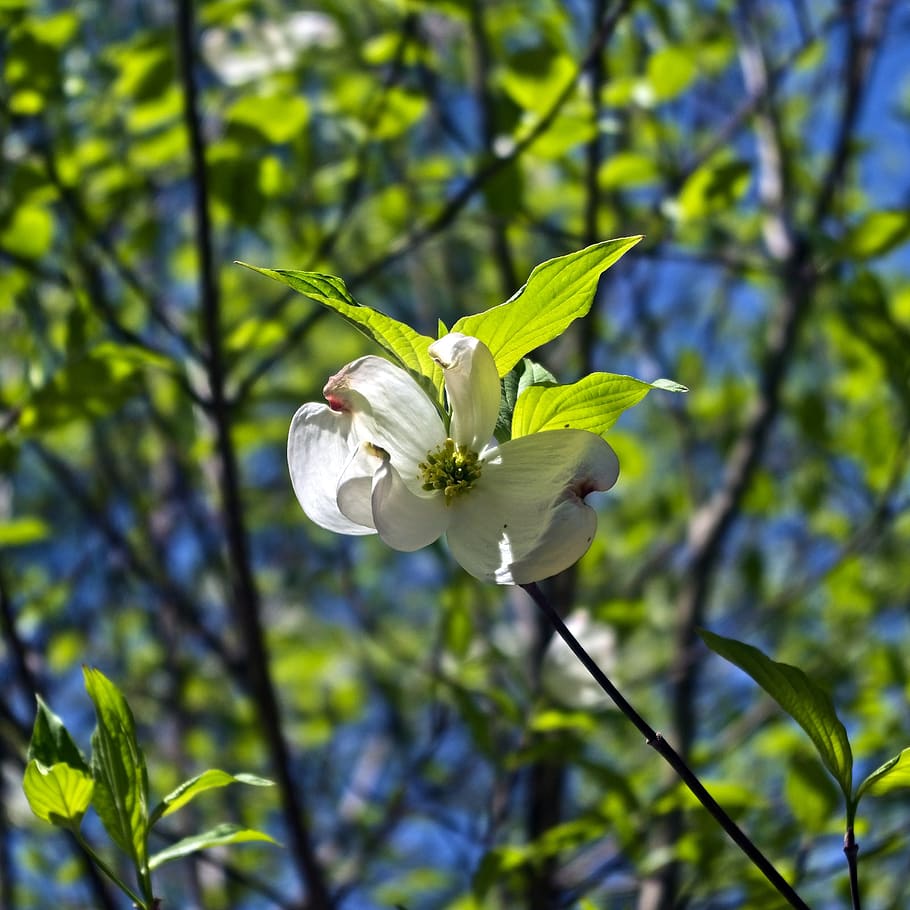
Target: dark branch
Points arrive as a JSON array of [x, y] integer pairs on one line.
[[245, 595]]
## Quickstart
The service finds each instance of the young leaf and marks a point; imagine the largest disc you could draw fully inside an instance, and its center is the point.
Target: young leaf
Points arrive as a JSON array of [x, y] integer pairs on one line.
[[533, 374], [522, 376], [59, 794], [808, 704], [557, 293], [403, 343], [593, 403], [215, 837], [208, 780], [118, 766], [894, 774], [51, 742]]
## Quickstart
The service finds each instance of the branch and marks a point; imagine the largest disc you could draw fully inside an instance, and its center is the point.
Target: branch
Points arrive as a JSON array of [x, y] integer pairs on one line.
[[861, 53], [710, 524], [245, 595], [668, 753]]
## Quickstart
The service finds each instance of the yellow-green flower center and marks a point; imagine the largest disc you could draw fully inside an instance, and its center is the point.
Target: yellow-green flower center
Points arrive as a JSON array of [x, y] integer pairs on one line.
[[450, 468]]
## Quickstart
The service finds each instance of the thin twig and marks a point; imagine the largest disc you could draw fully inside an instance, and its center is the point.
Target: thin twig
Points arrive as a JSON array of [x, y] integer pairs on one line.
[[668, 753]]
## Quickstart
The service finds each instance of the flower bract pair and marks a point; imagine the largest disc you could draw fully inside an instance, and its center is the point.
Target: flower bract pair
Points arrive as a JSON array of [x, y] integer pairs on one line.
[[380, 458]]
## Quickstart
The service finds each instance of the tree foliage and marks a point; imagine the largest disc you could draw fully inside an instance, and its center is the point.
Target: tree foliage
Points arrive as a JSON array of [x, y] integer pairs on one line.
[[431, 747]]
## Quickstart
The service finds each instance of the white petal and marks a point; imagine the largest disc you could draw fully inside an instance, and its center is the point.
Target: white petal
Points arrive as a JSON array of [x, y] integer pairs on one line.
[[472, 386], [526, 518], [406, 521], [389, 410], [320, 445], [355, 486]]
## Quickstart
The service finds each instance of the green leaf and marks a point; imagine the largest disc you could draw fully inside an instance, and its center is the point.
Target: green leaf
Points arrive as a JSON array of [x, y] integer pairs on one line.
[[523, 376], [532, 374], [29, 232], [535, 77], [278, 118], [558, 292], [118, 766], [89, 385], [401, 109], [893, 775], [714, 187], [811, 794], [628, 170], [878, 233], [403, 343], [51, 742], [807, 703], [218, 836], [208, 780], [593, 403], [670, 71], [58, 794]]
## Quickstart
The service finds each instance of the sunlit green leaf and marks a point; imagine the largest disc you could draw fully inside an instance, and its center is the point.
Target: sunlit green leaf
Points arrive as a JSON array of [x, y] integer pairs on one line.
[[627, 170], [671, 70], [403, 343], [594, 403], [558, 292], [55, 30], [146, 67], [118, 766], [219, 836], [401, 109], [893, 775], [278, 118], [58, 794], [807, 703], [28, 233], [714, 187], [208, 780], [18, 532], [876, 234], [535, 77]]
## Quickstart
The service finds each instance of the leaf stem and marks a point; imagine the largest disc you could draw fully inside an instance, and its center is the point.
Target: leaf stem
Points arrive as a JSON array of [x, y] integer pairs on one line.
[[851, 848], [103, 866], [669, 754]]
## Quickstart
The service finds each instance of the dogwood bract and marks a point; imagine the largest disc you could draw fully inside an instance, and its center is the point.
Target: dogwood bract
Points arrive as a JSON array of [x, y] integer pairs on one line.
[[378, 459]]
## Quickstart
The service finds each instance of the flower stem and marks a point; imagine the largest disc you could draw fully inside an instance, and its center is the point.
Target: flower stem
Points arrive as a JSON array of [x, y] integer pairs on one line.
[[851, 848], [669, 754]]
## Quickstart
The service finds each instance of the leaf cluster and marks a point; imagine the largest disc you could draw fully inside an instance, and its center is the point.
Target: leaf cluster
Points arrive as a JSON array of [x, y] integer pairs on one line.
[[61, 786]]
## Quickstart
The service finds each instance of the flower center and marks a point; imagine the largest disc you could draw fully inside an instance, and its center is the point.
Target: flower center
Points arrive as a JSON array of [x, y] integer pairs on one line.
[[452, 469]]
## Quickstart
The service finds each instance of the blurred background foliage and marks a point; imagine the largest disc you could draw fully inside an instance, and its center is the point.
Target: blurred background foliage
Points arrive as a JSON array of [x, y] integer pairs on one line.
[[432, 749]]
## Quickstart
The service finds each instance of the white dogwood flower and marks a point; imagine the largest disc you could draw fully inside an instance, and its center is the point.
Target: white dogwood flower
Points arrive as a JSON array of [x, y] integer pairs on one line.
[[378, 459]]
